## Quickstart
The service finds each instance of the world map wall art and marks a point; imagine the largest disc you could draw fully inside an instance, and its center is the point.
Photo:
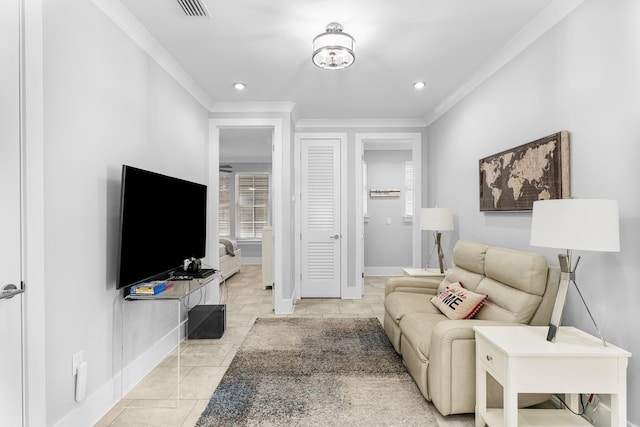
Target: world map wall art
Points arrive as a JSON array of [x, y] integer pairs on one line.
[[513, 179]]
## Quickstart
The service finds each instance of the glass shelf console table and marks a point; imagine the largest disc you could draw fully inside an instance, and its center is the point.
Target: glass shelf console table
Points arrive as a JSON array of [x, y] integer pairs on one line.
[[147, 376]]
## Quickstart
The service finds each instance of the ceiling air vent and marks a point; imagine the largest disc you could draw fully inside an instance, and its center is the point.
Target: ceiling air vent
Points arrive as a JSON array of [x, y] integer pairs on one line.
[[194, 8]]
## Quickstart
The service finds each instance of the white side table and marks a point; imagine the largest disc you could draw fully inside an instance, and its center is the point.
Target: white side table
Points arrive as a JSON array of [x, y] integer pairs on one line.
[[423, 272], [523, 361]]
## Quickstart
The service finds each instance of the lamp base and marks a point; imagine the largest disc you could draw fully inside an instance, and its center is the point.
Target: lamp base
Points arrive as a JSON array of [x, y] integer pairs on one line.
[[440, 252], [561, 297], [566, 275]]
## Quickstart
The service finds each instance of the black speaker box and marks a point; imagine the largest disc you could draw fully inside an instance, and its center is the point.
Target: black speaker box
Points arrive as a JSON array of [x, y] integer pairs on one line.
[[207, 322]]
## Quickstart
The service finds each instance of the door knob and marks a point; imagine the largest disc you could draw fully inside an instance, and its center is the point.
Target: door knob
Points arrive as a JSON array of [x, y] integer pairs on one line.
[[10, 291], [335, 237]]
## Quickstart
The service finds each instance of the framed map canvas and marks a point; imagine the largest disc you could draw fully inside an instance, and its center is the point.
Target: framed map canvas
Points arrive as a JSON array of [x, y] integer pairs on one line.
[[514, 179]]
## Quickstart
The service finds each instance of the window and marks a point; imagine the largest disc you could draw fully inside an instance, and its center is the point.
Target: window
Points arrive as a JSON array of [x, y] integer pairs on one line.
[[408, 188], [253, 205], [224, 208]]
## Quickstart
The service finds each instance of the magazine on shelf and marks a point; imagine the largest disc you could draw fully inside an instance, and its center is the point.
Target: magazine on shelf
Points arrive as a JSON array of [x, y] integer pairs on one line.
[[151, 288]]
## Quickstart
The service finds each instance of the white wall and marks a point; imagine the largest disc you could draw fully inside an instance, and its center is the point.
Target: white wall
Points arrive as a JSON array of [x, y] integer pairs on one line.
[[386, 245], [582, 76], [105, 103]]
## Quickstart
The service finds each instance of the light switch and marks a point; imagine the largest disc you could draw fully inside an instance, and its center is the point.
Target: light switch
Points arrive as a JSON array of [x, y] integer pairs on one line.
[[388, 220]]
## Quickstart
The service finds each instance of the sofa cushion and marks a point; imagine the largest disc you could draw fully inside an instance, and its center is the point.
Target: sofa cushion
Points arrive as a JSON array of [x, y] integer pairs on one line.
[[397, 304], [470, 256], [468, 279], [525, 271], [457, 303], [506, 304], [515, 281], [468, 260], [417, 329]]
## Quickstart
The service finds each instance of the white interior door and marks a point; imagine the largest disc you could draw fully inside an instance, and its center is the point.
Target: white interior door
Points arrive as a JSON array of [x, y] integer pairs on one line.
[[320, 218], [11, 391]]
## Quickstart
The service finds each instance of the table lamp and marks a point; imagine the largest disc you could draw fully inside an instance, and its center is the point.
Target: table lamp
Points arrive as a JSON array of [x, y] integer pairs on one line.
[[437, 219], [574, 224]]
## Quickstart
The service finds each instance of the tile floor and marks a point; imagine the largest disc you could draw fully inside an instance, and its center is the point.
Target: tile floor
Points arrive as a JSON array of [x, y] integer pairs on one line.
[[154, 402]]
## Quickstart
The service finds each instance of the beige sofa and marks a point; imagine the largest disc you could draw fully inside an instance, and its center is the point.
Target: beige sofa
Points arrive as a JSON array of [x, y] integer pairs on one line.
[[439, 353]]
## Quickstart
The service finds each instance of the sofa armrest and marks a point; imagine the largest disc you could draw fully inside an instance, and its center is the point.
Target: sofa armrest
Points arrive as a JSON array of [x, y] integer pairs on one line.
[[420, 285], [451, 371]]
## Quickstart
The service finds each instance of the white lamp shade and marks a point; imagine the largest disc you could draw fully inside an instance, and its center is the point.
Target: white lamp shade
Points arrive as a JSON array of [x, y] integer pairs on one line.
[[576, 224], [333, 49], [438, 219]]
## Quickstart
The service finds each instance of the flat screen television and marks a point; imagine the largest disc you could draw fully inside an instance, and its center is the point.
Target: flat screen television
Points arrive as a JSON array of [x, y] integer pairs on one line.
[[162, 222]]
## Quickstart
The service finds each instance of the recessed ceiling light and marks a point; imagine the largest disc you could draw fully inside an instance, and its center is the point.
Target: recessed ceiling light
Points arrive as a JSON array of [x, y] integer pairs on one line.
[[239, 85], [419, 85]]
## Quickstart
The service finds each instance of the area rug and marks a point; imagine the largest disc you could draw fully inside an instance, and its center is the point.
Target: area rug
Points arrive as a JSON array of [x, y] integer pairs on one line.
[[317, 372]]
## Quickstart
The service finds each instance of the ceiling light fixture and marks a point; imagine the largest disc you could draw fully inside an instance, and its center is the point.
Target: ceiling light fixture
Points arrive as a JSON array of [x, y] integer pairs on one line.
[[333, 49], [239, 85], [419, 85]]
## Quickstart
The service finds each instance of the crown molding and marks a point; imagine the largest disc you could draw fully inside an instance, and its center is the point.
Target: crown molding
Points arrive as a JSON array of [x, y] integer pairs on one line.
[[360, 123], [252, 107], [120, 16], [543, 22]]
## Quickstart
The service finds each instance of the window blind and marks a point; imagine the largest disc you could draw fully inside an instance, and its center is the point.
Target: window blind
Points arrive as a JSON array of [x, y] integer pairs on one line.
[[224, 207], [252, 193]]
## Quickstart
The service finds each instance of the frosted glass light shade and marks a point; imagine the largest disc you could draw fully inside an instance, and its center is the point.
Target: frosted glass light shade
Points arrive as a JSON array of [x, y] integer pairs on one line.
[[576, 224], [438, 219], [333, 49]]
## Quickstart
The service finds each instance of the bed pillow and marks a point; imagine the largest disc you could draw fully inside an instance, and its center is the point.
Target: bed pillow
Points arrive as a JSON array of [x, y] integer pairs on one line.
[[456, 302]]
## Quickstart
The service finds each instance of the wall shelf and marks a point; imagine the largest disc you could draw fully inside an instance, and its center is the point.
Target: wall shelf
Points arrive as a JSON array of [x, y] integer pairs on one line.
[[384, 193]]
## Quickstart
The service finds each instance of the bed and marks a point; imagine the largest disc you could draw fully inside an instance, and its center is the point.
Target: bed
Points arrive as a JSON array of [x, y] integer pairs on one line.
[[230, 258]]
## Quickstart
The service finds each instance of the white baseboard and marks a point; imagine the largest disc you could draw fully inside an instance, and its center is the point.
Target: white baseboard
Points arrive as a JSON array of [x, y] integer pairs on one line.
[[383, 271], [96, 405], [351, 292], [284, 305], [139, 368]]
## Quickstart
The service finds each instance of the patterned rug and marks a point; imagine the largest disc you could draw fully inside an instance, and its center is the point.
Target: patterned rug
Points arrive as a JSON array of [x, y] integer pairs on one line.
[[317, 372]]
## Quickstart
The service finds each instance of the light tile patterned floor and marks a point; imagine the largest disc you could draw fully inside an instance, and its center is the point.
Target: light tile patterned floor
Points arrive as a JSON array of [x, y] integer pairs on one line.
[[204, 362]]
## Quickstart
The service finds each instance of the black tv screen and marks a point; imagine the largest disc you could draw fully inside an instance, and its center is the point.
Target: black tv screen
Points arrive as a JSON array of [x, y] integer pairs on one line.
[[162, 223]]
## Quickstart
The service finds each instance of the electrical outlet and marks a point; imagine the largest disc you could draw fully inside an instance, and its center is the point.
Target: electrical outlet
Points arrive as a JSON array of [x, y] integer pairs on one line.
[[597, 411], [77, 358]]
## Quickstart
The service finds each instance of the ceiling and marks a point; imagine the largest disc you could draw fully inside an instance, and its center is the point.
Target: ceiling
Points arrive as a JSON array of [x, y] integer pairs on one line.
[[267, 45]]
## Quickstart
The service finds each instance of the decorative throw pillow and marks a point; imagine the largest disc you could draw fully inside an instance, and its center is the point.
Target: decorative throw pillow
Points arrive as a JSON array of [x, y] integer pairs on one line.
[[456, 302]]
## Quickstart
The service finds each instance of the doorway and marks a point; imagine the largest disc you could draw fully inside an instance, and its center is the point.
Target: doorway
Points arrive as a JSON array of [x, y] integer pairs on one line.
[[282, 300], [388, 141], [388, 210], [245, 174]]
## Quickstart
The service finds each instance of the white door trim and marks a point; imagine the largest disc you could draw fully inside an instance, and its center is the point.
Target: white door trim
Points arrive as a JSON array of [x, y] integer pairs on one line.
[[395, 140], [281, 303], [345, 291], [34, 247]]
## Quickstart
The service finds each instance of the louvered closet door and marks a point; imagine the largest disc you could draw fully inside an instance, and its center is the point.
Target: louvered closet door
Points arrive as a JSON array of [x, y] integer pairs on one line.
[[320, 170]]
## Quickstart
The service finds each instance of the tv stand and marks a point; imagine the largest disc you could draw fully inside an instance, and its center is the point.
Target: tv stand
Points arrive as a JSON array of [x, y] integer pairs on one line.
[[134, 368]]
